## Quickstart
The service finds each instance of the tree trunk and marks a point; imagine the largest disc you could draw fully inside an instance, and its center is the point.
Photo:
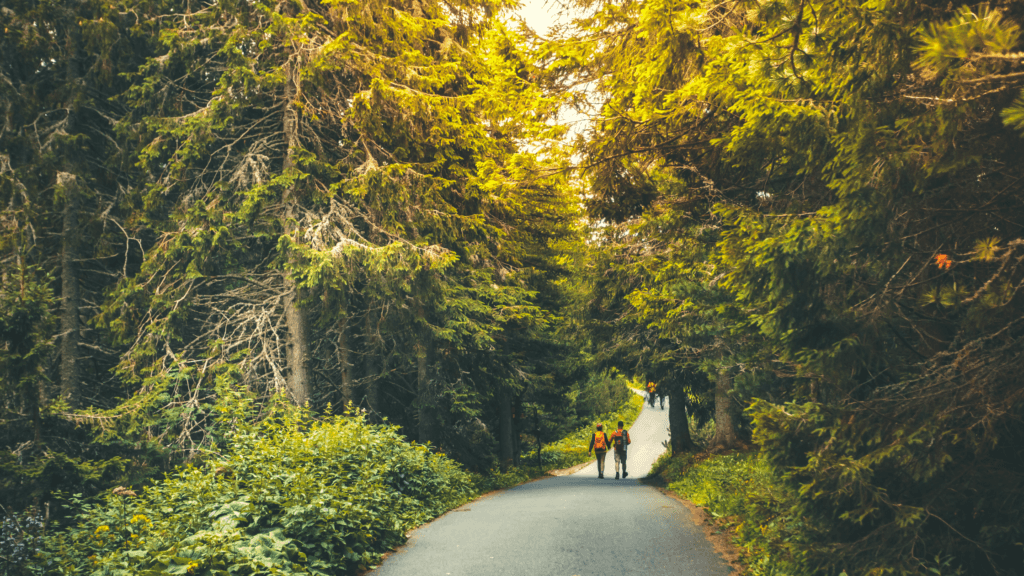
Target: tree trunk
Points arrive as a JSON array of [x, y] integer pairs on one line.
[[30, 402], [540, 444], [371, 372], [424, 387], [679, 424], [504, 430], [70, 300], [297, 356], [68, 185], [725, 426], [21, 344], [298, 348], [517, 420], [346, 368]]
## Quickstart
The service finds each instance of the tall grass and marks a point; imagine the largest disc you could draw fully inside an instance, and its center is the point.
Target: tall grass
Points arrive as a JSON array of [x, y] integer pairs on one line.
[[747, 496]]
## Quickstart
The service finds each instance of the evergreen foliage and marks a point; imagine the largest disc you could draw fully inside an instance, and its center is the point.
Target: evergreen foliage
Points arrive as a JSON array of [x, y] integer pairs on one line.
[[63, 170], [344, 202], [821, 205]]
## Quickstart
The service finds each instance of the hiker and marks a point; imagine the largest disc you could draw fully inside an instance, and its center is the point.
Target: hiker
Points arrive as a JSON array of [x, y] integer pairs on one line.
[[599, 445], [652, 391], [620, 440]]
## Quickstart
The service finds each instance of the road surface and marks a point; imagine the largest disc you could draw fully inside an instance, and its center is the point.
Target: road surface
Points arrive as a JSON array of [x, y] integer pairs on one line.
[[567, 526]]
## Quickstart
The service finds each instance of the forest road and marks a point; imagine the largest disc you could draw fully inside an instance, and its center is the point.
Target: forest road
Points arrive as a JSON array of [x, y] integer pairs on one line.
[[568, 525]]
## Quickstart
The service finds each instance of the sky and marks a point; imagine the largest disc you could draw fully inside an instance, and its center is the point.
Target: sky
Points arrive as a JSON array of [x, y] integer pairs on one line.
[[539, 14]]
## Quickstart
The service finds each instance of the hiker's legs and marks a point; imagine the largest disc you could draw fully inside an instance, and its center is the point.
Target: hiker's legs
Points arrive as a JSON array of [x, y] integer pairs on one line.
[[600, 463], [617, 456]]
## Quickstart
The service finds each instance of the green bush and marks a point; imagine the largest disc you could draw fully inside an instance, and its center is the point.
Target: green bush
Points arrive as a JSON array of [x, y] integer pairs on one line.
[[497, 480], [289, 496], [603, 394]]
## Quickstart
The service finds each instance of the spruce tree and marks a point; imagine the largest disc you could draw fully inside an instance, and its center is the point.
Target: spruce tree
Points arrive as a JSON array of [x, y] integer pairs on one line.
[[332, 215], [849, 175]]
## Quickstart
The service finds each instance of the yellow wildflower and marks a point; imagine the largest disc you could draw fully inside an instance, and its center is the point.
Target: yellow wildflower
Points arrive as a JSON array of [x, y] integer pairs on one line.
[[102, 529]]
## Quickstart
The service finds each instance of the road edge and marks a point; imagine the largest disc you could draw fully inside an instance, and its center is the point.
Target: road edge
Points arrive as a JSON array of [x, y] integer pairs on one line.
[[720, 537]]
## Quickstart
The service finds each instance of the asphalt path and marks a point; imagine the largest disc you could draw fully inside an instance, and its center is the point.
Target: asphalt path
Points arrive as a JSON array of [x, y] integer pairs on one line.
[[574, 525]]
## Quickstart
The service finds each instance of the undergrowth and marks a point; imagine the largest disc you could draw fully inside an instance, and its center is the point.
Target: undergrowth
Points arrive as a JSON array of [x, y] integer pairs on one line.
[[288, 496], [747, 496]]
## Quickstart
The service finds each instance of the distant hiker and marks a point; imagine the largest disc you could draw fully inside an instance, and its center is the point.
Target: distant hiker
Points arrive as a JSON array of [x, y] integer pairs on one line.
[[661, 397], [652, 391], [620, 440], [599, 445]]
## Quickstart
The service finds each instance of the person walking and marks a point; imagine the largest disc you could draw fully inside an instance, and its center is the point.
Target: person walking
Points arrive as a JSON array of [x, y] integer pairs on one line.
[[652, 391], [620, 440], [599, 446]]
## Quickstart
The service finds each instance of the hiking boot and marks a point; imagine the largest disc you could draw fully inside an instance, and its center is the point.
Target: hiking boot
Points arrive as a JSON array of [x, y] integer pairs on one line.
[[616, 475], [600, 476], [624, 474]]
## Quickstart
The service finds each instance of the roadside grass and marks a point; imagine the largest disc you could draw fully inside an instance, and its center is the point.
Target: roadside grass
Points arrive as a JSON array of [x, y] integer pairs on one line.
[[745, 495]]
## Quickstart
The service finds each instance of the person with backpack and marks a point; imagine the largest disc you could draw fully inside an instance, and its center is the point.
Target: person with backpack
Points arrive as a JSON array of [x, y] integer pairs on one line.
[[620, 440], [599, 446], [652, 391]]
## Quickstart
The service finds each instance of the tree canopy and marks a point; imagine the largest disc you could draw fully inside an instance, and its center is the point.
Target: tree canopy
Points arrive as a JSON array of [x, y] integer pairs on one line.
[[825, 198]]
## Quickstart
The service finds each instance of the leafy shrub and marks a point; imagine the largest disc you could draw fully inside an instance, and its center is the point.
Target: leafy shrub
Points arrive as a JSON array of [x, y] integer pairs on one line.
[[497, 480], [702, 433], [19, 541], [289, 496], [637, 384], [604, 393]]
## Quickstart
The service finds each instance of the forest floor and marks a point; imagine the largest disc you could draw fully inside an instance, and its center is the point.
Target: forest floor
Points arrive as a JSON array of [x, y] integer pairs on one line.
[[570, 525]]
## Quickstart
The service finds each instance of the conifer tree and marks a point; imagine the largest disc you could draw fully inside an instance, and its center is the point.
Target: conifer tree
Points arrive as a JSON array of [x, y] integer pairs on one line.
[[849, 173], [322, 202], [63, 170]]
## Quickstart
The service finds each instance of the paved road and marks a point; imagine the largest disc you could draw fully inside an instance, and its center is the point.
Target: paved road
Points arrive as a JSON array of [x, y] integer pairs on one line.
[[568, 525]]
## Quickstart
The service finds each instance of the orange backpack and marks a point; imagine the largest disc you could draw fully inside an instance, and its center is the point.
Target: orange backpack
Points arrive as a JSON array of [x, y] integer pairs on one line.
[[599, 441], [619, 439]]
